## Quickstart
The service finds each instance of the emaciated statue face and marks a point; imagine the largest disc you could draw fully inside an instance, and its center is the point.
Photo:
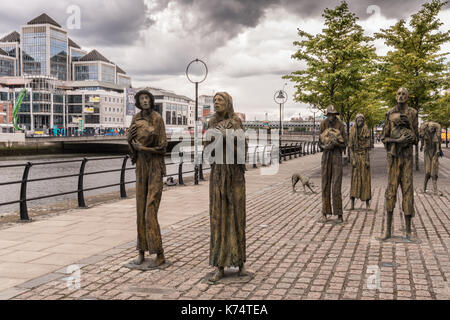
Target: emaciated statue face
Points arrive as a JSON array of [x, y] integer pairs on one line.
[[144, 100], [220, 105], [331, 117], [402, 95], [360, 121]]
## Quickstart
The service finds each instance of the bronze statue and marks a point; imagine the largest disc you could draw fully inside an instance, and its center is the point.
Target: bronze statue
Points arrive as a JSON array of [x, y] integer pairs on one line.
[[400, 134], [296, 177], [360, 144], [431, 141], [148, 144], [227, 197], [333, 141]]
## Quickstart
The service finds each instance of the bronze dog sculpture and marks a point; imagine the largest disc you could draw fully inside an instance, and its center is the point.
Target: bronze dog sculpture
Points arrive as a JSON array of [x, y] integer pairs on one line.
[[296, 177]]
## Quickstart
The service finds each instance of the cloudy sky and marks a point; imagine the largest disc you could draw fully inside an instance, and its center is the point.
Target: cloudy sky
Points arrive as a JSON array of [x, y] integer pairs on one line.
[[247, 44]]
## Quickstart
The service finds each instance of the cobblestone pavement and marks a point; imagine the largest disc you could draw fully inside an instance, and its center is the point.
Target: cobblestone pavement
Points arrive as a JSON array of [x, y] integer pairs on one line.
[[292, 255]]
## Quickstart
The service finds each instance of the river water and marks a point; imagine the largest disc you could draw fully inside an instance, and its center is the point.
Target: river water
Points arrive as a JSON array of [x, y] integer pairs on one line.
[[42, 188]]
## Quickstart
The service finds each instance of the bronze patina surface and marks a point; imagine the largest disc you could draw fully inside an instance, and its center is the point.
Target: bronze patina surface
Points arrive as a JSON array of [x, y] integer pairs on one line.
[[400, 134], [361, 177], [431, 145], [333, 141], [227, 195], [148, 143]]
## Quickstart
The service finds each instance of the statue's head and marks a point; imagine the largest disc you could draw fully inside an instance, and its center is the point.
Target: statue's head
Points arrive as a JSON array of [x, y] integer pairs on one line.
[[359, 120], [144, 100], [223, 105], [402, 95], [332, 113], [434, 127]]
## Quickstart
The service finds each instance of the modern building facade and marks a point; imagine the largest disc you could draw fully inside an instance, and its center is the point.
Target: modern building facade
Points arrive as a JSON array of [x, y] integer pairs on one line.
[[64, 83], [176, 110]]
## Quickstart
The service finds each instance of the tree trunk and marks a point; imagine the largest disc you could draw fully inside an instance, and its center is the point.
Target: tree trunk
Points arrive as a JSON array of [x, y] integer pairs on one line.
[[446, 137], [348, 138]]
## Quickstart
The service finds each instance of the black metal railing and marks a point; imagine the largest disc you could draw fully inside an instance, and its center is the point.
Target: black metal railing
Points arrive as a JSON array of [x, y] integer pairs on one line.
[[260, 155]]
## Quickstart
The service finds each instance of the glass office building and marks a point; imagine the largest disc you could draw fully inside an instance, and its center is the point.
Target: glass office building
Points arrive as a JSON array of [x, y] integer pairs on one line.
[[86, 72], [59, 76], [7, 64], [58, 54], [34, 50]]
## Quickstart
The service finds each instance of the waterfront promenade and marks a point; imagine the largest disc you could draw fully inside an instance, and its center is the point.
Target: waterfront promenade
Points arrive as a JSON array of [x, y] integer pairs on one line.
[[292, 255]]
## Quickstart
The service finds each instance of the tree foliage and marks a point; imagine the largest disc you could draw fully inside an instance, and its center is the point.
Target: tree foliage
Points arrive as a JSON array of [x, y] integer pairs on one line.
[[339, 61], [415, 61]]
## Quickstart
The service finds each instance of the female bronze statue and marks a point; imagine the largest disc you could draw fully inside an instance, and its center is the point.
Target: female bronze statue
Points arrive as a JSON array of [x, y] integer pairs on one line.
[[430, 136], [360, 144], [148, 143], [227, 193]]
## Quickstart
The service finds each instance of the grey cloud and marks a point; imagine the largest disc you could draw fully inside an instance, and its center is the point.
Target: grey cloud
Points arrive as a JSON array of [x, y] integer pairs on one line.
[[218, 18], [105, 22]]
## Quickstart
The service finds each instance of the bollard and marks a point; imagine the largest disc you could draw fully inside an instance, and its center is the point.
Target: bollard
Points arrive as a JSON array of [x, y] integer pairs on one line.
[[23, 193], [202, 178], [123, 191], [284, 153], [254, 158], [264, 156], [81, 202], [296, 151], [180, 169]]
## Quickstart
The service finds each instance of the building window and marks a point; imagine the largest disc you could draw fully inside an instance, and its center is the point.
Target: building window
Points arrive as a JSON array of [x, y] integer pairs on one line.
[[108, 74], [86, 72]]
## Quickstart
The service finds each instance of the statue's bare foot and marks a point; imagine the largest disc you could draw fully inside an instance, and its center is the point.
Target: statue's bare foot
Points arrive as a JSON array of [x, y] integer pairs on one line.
[[323, 219], [243, 271], [219, 274], [386, 236], [160, 259], [140, 259]]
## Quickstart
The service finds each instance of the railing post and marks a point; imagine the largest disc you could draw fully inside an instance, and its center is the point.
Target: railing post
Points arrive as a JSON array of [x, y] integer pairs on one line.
[[295, 151], [81, 202], [180, 169], [201, 167], [284, 152], [123, 191], [254, 158], [23, 193], [280, 151], [291, 151], [264, 156]]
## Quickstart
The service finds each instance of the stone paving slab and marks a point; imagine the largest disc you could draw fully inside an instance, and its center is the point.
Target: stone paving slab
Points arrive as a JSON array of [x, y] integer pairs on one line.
[[292, 255], [51, 242]]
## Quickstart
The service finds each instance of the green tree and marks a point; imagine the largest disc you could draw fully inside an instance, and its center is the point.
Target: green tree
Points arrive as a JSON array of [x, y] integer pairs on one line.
[[338, 62], [415, 61]]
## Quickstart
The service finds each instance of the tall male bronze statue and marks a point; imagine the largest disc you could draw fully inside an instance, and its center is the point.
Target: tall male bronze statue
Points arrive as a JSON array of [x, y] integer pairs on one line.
[[361, 179], [333, 140], [227, 197], [431, 144], [399, 136], [148, 143]]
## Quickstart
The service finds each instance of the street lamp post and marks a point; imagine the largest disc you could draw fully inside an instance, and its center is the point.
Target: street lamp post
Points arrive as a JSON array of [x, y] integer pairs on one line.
[[196, 82], [314, 110], [280, 98]]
